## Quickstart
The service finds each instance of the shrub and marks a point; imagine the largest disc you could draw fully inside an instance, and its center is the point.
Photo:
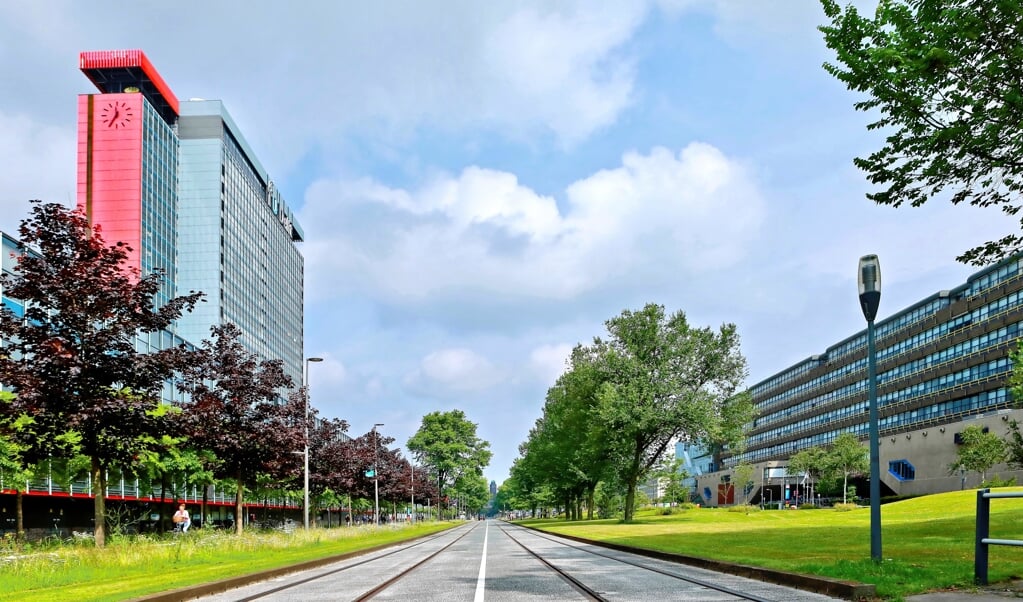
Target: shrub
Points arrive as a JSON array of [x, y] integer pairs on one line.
[[997, 482], [744, 508], [845, 507]]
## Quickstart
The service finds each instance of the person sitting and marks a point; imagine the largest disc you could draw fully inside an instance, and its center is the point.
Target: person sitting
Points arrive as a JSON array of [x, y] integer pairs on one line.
[[181, 519]]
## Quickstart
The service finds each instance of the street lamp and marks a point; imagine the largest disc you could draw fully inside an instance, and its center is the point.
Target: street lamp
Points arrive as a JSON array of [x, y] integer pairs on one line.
[[869, 279], [376, 476], [305, 453]]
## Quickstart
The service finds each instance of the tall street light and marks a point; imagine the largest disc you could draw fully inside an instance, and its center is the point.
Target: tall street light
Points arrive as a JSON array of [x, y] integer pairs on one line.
[[869, 279], [376, 475], [305, 454]]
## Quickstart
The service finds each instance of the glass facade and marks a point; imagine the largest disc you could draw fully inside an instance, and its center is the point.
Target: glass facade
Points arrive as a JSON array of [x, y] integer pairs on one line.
[[237, 240], [183, 188], [939, 361]]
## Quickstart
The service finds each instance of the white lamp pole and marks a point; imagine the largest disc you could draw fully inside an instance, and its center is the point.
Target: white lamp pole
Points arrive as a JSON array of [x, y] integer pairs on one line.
[[305, 454], [376, 475]]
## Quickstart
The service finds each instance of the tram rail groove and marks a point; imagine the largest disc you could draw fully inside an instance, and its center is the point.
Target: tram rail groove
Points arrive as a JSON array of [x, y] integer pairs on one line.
[[575, 583], [849, 590], [223, 585], [692, 580]]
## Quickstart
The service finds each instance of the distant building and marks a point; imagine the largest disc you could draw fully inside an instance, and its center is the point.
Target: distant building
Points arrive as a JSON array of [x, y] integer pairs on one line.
[[942, 364]]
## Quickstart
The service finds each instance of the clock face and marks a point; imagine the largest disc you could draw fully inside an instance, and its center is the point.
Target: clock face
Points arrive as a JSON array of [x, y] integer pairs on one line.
[[116, 115]]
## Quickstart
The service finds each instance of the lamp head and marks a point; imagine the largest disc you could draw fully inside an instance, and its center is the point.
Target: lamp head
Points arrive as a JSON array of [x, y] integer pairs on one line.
[[869, 280], [314, 359]]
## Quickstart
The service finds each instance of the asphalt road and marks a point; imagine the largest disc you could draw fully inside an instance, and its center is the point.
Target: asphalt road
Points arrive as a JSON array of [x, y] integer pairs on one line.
[[497, 561]]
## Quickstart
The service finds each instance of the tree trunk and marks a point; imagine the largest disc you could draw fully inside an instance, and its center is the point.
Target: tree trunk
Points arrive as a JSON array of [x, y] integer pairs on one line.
[[99, 490], [238, 509], [589, 502], [19, 515], [630, 500], [845, 486], [163, 502]]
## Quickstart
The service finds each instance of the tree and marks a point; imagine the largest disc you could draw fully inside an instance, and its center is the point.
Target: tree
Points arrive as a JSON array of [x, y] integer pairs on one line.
[[848, 457], [978, 452], [447, 442], [665, 380], [744, 480], [72, 359], [236, 413], [946, 77]]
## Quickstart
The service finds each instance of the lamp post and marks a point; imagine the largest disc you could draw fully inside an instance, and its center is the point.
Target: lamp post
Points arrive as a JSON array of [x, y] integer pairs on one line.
[[305, 453], [376, 475], [869, 280], [412, 485]]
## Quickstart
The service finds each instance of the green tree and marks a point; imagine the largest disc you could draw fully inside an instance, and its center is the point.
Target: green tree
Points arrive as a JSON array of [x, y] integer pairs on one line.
[[847, 457], [978, 452], [666, 381], [673, 472], [72, 358], [744, 480], [447, 443], [946, 79]]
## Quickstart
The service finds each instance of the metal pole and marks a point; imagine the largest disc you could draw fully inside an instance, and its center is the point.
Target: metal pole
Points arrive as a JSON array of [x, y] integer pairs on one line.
[[413, 490], [875, 460], [376, 474], [305, 455], [980, 549]]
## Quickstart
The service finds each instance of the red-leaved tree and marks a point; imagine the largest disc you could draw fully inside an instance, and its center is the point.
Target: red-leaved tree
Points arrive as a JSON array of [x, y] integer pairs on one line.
[[236, 412], [71, 357]]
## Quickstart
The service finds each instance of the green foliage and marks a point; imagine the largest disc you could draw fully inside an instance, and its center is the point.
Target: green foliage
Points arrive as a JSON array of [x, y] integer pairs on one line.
[[665, 379], [945, 79], [995, 482], [447, 443], [845, 507], [978, 452]]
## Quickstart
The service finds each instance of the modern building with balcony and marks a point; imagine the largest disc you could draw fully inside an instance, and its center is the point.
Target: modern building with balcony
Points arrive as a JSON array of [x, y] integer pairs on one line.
[[942, 365]]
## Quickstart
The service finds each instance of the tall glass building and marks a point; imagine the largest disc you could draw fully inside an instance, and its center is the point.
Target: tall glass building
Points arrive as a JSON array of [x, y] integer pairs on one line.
[[177, 181], [942, 364]]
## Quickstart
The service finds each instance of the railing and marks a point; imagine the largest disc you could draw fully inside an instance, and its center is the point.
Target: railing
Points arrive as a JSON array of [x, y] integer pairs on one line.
[[980, 553]]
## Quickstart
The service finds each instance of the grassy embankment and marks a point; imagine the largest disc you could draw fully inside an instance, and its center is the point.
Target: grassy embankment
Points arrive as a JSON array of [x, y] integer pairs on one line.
[[927, 542], [127, 569]]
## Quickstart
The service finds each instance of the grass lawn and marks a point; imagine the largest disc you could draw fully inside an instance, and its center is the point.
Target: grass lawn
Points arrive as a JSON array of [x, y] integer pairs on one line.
[[127, 569], [927, 542]]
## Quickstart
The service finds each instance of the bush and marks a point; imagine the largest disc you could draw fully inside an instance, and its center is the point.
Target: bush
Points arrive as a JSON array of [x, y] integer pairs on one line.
[[845, 507], [744, 508], [809, 507], [994, 482]]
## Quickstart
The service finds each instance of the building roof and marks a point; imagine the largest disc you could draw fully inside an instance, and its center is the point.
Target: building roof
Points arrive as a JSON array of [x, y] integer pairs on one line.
[[116, 71]]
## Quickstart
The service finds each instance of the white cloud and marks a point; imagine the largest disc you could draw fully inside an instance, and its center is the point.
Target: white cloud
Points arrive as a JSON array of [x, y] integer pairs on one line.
[[453, 371], [548, 362], [695, 210], [38, 163]]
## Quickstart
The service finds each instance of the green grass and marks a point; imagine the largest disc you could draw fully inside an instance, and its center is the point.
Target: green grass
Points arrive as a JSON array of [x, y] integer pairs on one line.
[[927, 542], [127, 569]]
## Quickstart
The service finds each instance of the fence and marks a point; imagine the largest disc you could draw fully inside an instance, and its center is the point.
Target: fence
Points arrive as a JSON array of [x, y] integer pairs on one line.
[[980, 554]]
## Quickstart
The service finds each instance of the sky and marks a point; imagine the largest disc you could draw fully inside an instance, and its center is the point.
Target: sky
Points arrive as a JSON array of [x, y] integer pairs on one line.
[[483, 184]]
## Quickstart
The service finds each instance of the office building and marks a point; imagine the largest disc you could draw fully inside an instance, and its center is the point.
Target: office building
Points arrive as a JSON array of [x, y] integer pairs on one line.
[[942, 365], [178, 182]]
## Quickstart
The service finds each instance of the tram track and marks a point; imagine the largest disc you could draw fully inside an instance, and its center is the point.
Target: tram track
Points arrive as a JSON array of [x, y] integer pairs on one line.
[[369, 594], [597, 596]]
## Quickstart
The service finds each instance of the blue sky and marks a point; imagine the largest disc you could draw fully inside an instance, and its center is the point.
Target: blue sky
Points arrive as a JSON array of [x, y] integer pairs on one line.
[[482, 185]]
